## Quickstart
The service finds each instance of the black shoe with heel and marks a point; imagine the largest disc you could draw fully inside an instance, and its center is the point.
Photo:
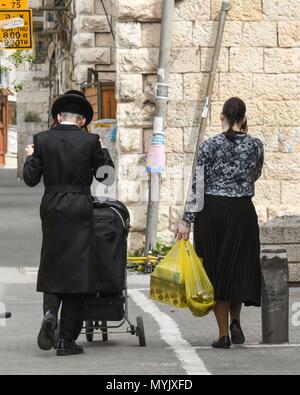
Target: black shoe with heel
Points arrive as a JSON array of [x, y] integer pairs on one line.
[[237, 335], [224, 343]]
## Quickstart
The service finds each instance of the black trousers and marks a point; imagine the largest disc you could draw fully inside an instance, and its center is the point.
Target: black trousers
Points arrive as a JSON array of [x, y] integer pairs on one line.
[[71, 319]]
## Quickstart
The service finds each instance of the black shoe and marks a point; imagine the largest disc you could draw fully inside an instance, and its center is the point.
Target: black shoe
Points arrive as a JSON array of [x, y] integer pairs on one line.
[[46, 338], [223, 343], [237, 335], [65, 349]]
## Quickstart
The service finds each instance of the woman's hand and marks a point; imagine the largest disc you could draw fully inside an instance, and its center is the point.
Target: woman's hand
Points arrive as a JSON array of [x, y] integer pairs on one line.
[[183, 231], [29, 150]]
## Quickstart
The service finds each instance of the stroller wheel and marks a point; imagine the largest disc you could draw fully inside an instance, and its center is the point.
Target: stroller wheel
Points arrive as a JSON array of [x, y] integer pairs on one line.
[[140, 331], [104, 331], [90, 331]]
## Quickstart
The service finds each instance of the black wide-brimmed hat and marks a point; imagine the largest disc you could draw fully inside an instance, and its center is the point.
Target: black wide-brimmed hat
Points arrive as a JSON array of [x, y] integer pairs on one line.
[[73, 102]]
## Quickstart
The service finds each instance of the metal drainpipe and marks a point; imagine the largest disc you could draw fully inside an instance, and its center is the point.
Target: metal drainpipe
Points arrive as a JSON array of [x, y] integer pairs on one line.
[[160, 119]]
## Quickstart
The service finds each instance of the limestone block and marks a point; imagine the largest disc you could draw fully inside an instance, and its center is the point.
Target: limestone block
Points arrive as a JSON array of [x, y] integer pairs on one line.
[[80, 73], [260, 34], [289, 34], [147, 139], [138, 217], [268, 192], [246, 59], [190, 138], [175, 87], [286, 10], [282, 60], [163, 218], [262, 213], [290, 192], [285, 229], [233, 84], [294, 273], [176, 214], [289, 140], [129, 86], [174, 140], [282, 167], [276, 86], [180, 114], [255, 113], [129, 35], [285, 113], [132, 167], [104, 40], [182, 34], [99, 10], [207, 56], [151, 35], [205, 34], [136, 241], [84, 40], [132, 191], [186, 60], [86, 7], [94, 23], [144, 60], [136, 114], [192, 10], [269, 136], [245, 10], [130, 140], [93, 56], [139, 10], [195, 86]]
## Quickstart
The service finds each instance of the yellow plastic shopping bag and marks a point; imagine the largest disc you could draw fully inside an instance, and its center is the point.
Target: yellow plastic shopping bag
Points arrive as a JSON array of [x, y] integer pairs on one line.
[[199, 290], [180, 280], [167, 280]]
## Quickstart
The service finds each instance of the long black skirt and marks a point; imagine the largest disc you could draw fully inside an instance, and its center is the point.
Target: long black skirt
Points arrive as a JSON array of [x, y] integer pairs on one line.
[[227, 238]]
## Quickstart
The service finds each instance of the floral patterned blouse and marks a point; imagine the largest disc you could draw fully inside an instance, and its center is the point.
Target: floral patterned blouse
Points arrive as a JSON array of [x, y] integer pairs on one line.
[[227, 168]]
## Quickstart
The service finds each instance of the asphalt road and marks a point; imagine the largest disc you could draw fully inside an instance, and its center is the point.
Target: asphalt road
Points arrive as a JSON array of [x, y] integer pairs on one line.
[[20, 228]]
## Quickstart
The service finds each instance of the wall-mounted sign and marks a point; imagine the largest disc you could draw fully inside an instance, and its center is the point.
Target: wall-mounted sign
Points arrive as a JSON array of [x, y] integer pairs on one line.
[[14, 4], [16, 29]]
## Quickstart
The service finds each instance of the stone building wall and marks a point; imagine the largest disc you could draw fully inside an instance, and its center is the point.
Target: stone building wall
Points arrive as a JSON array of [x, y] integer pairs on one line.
[[92, 46], [260, 62]]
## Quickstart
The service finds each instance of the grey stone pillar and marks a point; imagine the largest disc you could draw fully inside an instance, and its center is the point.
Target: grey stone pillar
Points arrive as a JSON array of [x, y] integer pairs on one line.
[[275, 296]]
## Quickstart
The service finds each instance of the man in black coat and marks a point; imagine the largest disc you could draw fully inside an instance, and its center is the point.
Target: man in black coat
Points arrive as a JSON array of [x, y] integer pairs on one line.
[[67, 157]]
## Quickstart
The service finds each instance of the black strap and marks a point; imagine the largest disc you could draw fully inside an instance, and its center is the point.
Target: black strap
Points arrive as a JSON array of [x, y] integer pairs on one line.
[[82, 189]]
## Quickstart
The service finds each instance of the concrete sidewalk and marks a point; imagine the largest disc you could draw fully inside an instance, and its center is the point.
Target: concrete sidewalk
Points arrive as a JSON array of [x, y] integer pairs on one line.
[[177, 343]]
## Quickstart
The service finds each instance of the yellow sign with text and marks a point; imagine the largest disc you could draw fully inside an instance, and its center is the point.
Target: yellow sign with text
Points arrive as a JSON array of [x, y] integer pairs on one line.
[[13, 4], [16, 29]]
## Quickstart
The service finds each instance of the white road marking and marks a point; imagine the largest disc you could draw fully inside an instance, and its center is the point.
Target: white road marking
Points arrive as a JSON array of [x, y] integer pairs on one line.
[[171, 334]]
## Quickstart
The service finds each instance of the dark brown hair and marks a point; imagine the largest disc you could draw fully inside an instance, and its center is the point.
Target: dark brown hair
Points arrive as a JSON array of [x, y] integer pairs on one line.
[[234, 111]]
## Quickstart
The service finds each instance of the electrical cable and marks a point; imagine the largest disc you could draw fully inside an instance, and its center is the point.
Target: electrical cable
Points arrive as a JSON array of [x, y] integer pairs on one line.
[[108, 20]]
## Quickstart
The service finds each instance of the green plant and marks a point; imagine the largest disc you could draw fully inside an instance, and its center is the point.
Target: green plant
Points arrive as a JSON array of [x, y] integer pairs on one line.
[[162, 248], [19, 57], [32, 117], [18, 86]]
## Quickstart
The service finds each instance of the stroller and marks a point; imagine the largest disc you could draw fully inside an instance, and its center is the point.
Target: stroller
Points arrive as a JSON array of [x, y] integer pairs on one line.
[[112, 224]]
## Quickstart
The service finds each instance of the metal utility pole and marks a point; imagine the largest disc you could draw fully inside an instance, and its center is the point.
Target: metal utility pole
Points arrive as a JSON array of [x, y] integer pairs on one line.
[[157, 152], [214, 68]]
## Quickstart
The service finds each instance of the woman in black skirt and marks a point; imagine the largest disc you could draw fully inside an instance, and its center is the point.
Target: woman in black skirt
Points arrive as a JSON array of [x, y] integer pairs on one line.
[[226, 231]]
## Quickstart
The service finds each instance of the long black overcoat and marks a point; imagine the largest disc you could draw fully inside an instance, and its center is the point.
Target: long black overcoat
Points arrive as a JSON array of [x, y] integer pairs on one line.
[[66, 156]]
